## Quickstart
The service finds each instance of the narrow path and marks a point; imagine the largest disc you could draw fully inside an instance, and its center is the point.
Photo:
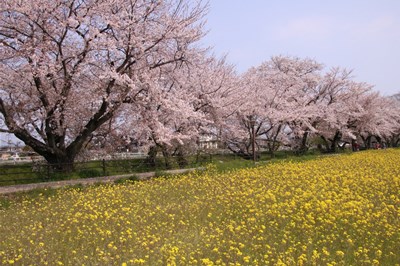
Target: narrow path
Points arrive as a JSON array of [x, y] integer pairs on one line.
[[84, 181]]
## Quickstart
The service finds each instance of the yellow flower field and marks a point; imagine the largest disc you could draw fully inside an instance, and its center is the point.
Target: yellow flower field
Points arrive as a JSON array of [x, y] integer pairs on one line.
[[336, 210]]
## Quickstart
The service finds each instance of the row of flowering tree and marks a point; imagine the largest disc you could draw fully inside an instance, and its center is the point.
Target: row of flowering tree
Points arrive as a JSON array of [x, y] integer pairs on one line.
[[88, 74], [294, 102]]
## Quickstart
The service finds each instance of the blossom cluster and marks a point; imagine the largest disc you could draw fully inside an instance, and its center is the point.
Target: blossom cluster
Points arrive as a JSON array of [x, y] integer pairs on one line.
[[335, 210]]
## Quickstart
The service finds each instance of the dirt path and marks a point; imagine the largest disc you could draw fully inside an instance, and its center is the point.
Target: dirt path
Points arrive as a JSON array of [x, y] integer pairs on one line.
[[84, 181]]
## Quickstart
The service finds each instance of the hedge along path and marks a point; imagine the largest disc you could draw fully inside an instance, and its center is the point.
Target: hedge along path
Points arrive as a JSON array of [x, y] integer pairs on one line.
[[85, 181]]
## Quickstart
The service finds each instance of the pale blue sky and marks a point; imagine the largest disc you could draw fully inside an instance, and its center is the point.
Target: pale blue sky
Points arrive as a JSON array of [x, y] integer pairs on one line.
[[359, 35]]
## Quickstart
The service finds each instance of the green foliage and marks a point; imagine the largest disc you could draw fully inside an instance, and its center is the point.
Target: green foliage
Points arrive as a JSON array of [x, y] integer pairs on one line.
[[85, 173]]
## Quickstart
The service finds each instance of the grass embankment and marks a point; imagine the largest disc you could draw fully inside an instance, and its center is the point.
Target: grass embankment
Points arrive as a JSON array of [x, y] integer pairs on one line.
[[27, 173], [339, 210], [14, 174]]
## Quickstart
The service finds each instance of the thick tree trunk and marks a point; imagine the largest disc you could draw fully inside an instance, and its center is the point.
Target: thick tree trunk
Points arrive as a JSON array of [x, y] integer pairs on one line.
[[151, 157], [335, 142], [181, 159], [60, 159], [396, 141], [332, 144], [53, 146], [326, 144], [167, 157], [61, 162], [273, 147], [302, 149], [275, 144], [271, 150], [367, 142], [353, 145]]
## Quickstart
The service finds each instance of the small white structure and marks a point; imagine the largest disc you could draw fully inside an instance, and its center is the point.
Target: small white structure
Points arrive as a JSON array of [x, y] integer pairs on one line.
[[208, 142], [16, 157]]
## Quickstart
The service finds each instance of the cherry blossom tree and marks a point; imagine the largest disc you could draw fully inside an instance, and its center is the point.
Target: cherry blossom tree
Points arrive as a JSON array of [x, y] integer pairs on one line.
[[325, 104], [380, 120], [394, 111], [241, 129], [338, 111], [200, 91], [67, 67], [334, 104], [276, 94], [297, 80]]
